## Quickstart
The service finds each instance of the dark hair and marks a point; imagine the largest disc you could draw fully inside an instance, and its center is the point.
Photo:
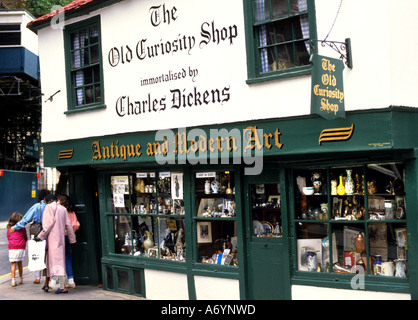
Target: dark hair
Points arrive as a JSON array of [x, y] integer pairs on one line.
[[66, 202], [42, 194], [14, 218], [50, 198]]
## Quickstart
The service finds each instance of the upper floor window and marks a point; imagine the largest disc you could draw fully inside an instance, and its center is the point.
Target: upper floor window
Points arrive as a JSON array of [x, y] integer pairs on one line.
[[278, 37], [10, 35], [84, 65]]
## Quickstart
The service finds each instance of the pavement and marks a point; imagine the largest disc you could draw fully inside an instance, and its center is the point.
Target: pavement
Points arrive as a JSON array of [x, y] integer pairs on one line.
[[30, 291]]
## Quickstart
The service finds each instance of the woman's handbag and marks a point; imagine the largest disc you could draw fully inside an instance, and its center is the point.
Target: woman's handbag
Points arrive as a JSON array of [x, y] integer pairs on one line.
[[35, 229]]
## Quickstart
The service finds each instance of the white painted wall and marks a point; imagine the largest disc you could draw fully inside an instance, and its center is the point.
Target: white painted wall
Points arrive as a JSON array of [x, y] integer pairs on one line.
[[160, 285], [381, 33], [209, 288]]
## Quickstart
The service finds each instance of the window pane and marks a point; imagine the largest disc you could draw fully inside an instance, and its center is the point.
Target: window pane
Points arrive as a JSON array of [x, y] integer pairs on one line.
[[9, 27], [80, 96], [172, 239], [10, 38], [84, 38], [285, 56], [279, 8], [266, 212], [302, 53], [88, 75], [89, 94], [261, 10], [143, 230], [94, 34], [215, 200], [123, 279], [94, 52], [312, 247], [98, 93], [75, 40], [283, 30], [298, 5], [349, 244], [122, 233], [388, 243]]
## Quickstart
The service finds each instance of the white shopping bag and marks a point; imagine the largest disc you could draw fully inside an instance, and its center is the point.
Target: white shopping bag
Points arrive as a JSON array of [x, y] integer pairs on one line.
[[36, 255]]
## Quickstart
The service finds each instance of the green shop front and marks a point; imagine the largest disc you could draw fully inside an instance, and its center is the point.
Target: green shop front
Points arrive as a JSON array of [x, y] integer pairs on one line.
[[285, 208]]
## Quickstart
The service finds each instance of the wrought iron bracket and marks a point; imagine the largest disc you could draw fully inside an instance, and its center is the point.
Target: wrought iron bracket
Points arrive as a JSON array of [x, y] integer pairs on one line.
[[342, 48]]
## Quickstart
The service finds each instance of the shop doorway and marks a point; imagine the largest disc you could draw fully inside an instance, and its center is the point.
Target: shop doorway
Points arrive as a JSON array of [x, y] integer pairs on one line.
[[86, 253], [268, 259]]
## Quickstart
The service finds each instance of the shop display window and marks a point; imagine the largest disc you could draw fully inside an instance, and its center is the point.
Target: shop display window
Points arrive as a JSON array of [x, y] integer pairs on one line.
[[352, 220], [148, 214], [266, 211], [215, 217]]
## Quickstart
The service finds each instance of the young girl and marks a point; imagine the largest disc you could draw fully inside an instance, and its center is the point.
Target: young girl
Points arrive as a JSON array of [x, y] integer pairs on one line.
[[17, 246]]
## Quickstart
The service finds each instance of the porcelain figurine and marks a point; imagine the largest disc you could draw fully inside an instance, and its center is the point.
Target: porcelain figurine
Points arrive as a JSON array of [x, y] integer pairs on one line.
[[400, 269], [207, 187], [333, 187], [215, 186], [324, 209], [311, 261], [317, 182]]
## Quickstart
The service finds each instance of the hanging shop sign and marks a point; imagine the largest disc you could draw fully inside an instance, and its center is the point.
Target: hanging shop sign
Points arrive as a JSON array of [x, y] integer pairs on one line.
[[327, 95]]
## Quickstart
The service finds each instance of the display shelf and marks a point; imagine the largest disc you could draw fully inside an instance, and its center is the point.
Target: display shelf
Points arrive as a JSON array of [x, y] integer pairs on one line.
[[215, 218], [351, 217], [148, 215]]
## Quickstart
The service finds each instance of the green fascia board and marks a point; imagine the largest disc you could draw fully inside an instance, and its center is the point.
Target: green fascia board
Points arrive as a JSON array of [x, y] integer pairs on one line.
[[386, 129]]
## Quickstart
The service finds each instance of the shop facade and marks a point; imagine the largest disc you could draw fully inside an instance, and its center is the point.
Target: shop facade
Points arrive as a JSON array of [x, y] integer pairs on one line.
[[194, 180]]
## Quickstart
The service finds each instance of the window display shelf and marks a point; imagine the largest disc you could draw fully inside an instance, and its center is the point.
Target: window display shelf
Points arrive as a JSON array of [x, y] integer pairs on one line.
[[148, 215], [215, 218], [348, 218]]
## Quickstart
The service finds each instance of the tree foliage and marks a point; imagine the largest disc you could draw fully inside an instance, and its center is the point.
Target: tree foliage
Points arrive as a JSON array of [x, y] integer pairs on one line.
[[41, 7]]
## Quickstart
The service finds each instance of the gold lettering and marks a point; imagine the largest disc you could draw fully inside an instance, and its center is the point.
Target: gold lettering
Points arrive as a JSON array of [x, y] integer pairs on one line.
[[106, 152], [267, 143], [327, 65], [219, 143], [181, 143], [123, 152], [277, 135], [131, 150], [96, 150], [112, 150], [234, 143], [203, 143], [211, 142], [117, 149], [150, 150], [138, 150], [193, 146], [253, 137]]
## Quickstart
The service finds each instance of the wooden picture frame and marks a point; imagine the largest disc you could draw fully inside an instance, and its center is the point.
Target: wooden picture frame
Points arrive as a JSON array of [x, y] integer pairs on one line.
[[204, 232]]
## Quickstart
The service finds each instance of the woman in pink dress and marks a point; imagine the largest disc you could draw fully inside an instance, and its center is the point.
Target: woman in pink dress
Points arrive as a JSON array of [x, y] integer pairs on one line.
[[55, 223]]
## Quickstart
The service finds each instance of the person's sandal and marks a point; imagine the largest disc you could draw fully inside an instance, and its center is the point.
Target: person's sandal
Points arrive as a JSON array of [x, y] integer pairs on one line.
[[45, 288], [61, 291]]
